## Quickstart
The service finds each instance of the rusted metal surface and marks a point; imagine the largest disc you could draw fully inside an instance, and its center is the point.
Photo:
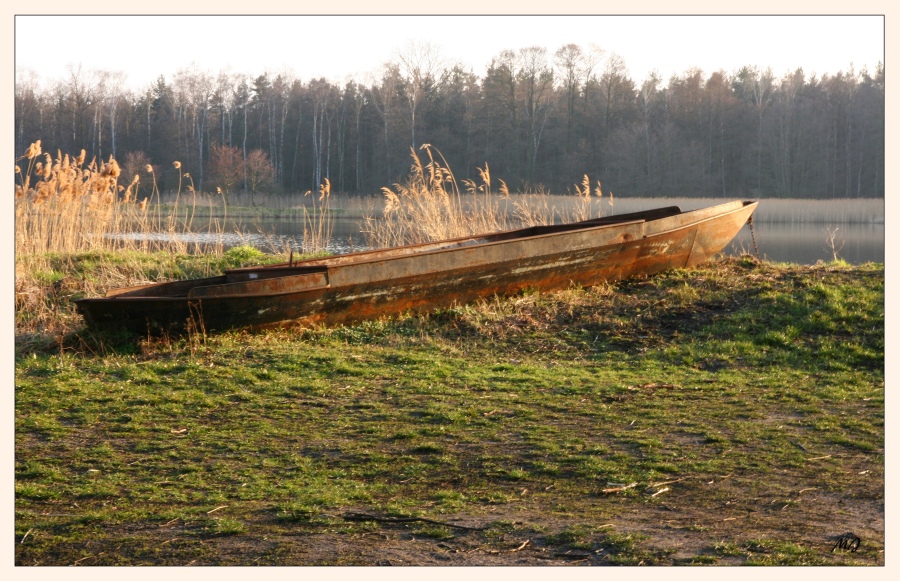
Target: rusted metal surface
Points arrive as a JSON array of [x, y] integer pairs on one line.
[[255, 286], [368, 285]]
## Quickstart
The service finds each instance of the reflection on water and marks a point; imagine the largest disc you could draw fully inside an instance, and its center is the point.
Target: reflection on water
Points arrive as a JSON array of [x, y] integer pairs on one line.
[[809, 243], [799, 243]]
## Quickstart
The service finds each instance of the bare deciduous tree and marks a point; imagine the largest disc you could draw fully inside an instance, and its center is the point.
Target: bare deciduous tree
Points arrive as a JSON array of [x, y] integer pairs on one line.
[[420, 62]]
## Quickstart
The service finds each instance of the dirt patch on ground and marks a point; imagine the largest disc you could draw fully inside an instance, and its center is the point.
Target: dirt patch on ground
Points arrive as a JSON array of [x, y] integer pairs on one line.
[[721, 521]]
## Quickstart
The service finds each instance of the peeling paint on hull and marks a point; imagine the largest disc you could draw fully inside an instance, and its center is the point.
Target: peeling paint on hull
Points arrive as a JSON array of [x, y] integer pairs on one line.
[[367, 285]]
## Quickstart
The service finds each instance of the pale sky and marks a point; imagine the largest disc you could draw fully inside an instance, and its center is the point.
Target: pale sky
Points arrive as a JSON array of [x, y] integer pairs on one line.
[[341, 47]]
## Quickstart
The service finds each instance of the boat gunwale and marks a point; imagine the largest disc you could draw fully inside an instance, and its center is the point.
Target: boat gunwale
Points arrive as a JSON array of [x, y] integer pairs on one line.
[[745, 205], [573, 227]]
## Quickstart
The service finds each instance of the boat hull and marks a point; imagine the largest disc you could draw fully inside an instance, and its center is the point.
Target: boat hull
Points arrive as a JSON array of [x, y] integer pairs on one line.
[[352, 288]]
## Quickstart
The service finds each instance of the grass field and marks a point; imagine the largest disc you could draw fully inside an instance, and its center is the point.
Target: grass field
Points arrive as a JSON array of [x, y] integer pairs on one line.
[[726, 415]]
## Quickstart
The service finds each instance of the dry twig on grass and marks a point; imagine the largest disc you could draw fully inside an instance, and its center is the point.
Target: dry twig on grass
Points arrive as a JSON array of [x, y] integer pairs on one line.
[[619, 488]]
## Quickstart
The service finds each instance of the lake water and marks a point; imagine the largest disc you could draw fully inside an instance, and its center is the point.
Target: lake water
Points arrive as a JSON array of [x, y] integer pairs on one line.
[[781, 242], [809, 243]]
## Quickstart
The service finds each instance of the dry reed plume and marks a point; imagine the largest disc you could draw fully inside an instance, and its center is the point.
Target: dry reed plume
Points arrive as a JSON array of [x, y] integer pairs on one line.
[[430, 205], [65, 205], [318, 224]]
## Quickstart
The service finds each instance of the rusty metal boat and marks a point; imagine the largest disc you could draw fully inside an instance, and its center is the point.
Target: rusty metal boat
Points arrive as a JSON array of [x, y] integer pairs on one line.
[[348, 288]]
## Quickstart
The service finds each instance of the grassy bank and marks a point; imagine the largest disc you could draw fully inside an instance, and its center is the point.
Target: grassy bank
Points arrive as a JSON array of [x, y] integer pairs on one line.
[[48, 283], [730, 414]]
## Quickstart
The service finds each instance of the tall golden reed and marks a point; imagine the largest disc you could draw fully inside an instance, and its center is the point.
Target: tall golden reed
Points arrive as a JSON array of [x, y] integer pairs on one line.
[[430, 205], [318, 224], [66, 205]]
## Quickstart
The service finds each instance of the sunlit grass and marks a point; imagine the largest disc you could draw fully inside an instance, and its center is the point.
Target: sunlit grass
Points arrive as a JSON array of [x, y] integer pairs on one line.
[[511, 414]]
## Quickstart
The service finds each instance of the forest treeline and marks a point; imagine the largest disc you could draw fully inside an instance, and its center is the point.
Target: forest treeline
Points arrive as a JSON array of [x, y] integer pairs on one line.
[[539, 118]]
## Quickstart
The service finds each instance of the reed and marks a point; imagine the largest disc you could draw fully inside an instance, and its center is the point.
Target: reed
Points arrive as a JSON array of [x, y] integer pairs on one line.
[[71, 213], [318, 224], [534, 207], [584, 208], [67, 205], [432, 205], [428, 205]]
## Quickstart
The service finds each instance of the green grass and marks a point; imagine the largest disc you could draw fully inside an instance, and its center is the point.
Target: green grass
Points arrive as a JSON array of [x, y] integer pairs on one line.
[[47, 284], [753, 392], [94, 265]]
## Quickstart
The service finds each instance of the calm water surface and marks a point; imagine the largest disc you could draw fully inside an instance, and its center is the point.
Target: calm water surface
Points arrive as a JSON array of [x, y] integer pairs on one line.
[[780, 242], [809, 243], [799, 243]]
